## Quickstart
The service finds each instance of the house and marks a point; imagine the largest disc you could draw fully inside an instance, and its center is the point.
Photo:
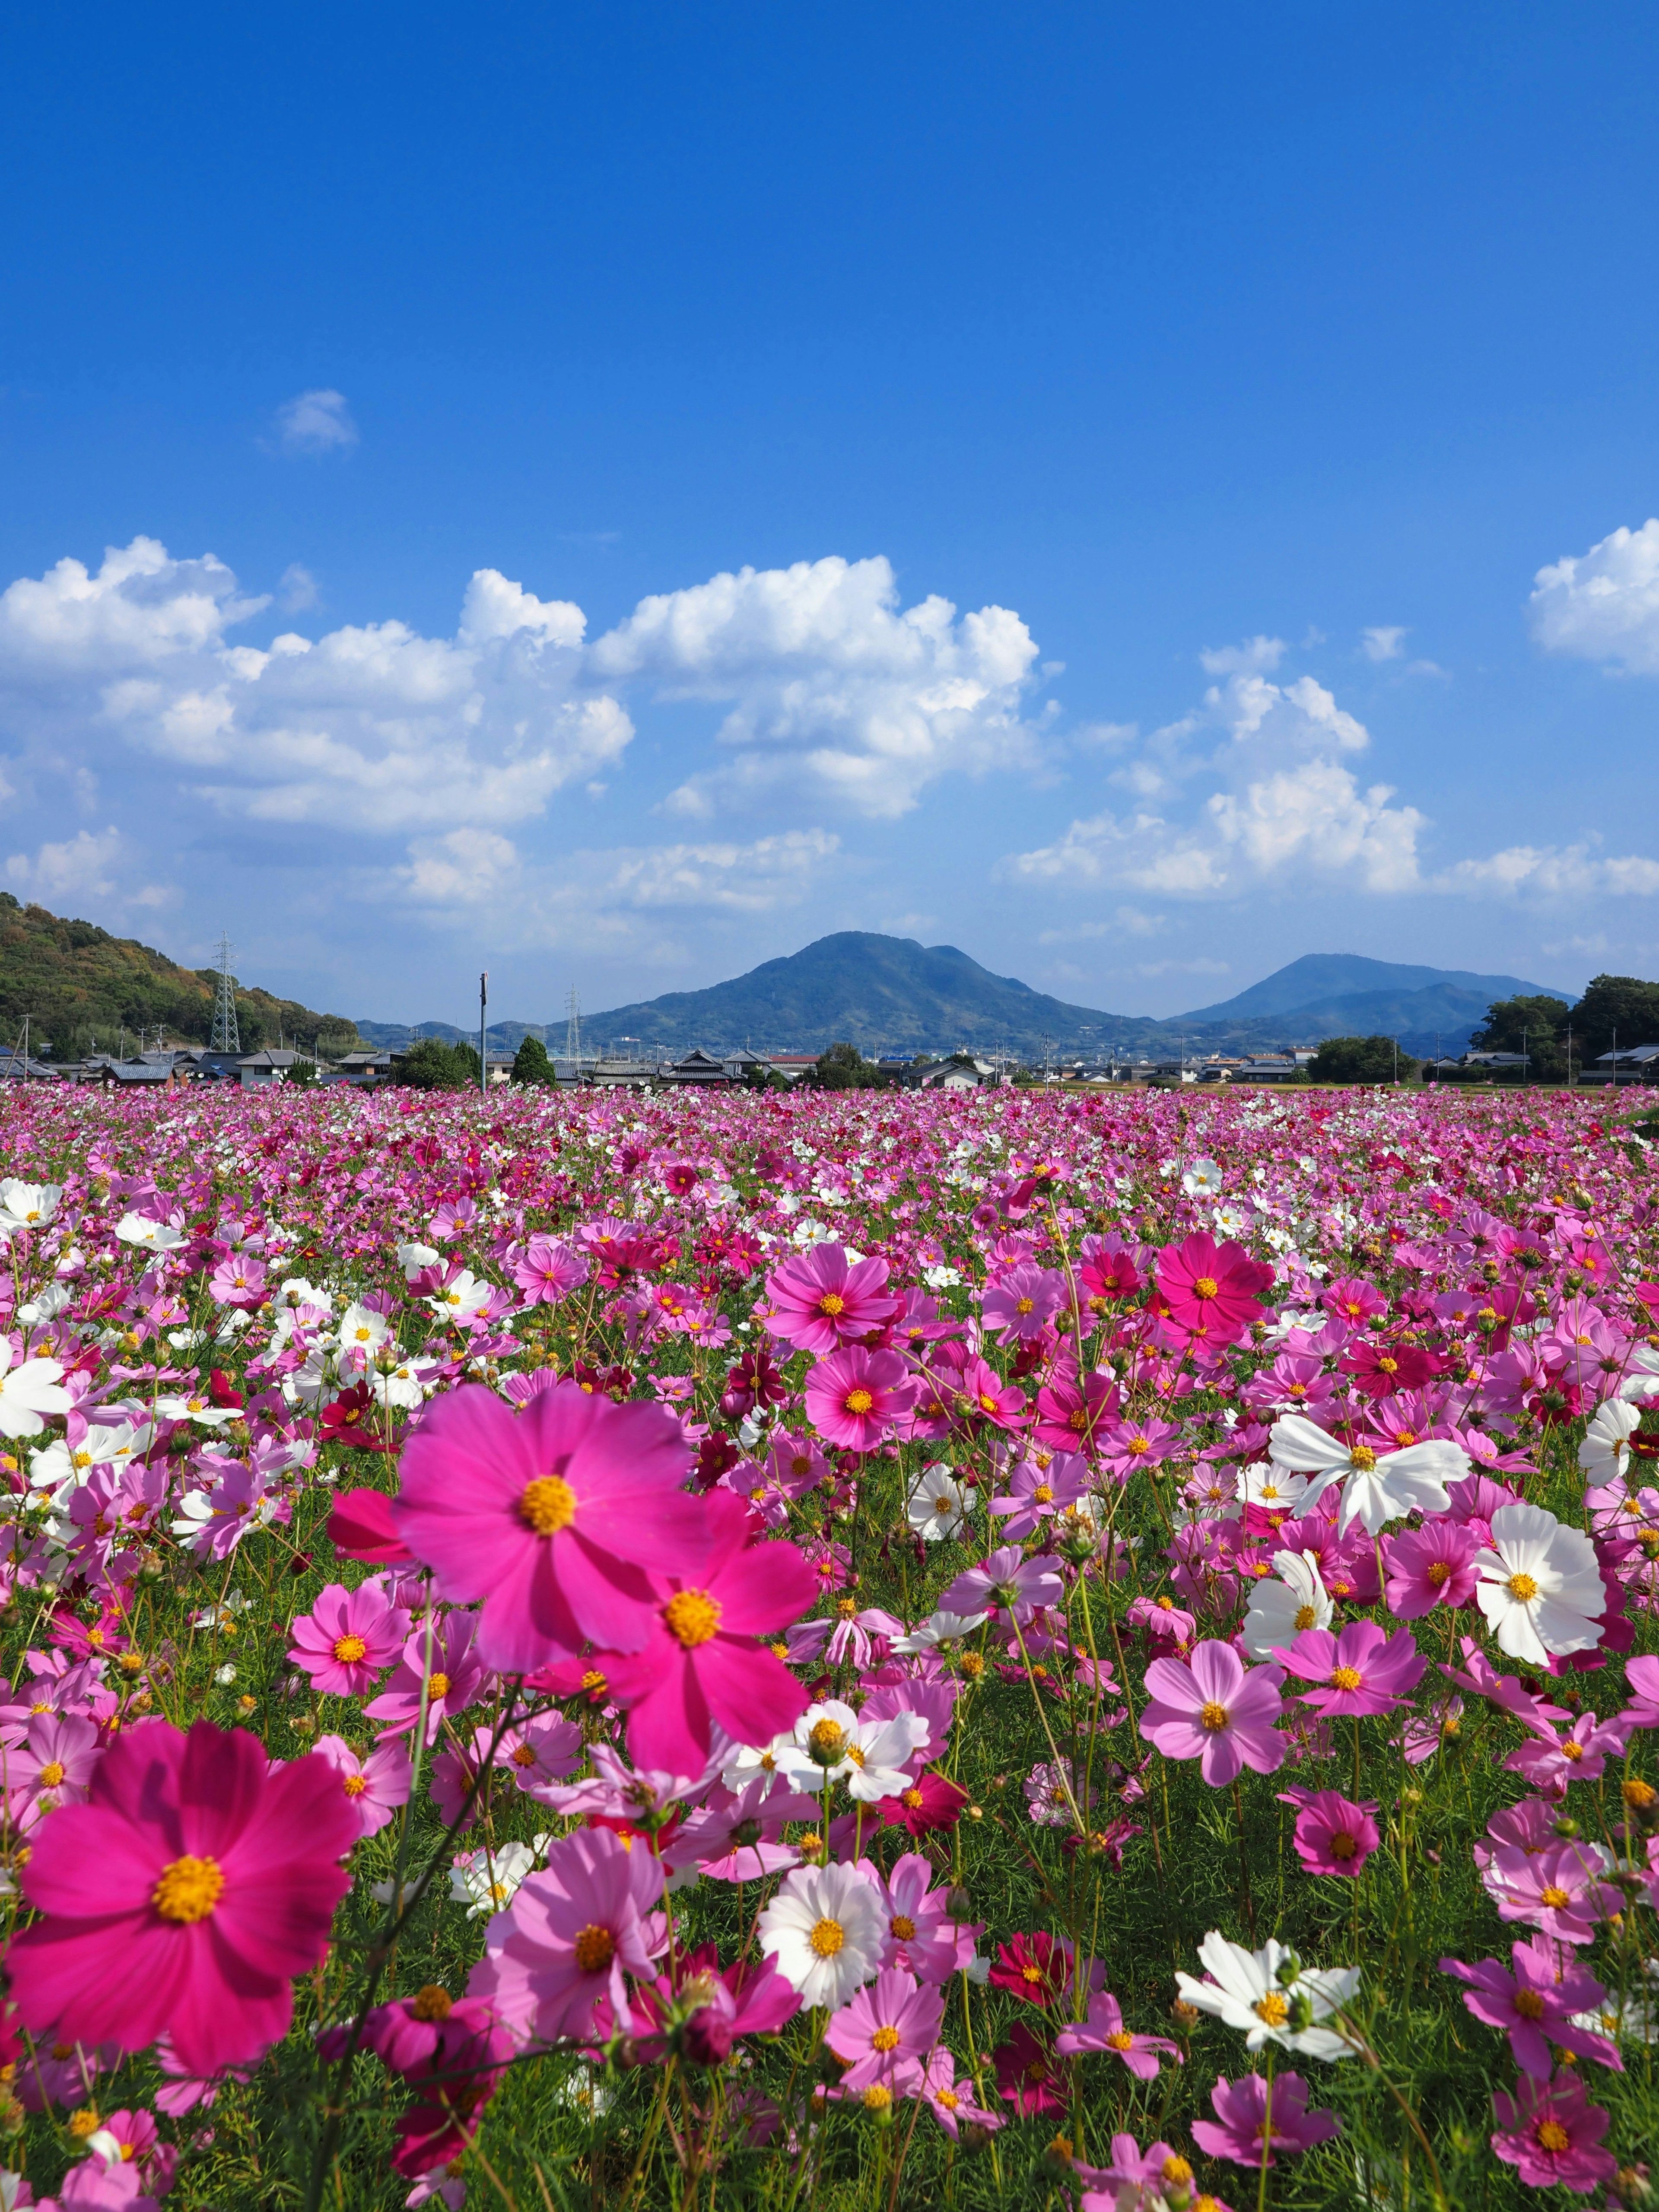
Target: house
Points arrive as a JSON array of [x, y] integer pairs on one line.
[[20, 1067], [1272, 1068], [370, 1063], [619, 1074], [267, 1066], [792, 1065], [699, 1068], [1636, 1063], [1498, 1063]]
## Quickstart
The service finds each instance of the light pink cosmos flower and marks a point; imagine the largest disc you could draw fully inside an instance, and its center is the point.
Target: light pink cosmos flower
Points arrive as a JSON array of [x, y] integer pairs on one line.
[[1553, 2134], [922, 1933], [1103, 2030], [1559, 1891], [185, 1894], [1022, 1302], [741, 1837], [854, 1396], [1037, 1491], [884, 2034], [1212, 1711], [570, 1934], [954, 2103], [1535, 2005], [457, 1677], [1007, 1580], [53, 1765], [1243, 2120], [1551, 1762], [375, 1787], [548, 1270], [819, 1302], [540, 1752], [347, 1637], [1333, 1834], [548, 1517], [1642, 1681], [1362, 1671]]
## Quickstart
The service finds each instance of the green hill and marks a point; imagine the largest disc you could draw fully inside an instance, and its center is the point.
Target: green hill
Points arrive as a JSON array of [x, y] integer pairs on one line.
[[81, 989]]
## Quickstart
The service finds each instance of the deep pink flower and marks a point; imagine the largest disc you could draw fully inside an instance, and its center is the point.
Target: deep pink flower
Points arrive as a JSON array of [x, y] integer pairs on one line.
[[819, 1302], [954, 2103], [452, 2082], [701, 1661], [373, 1787], [884, 2034], [924, 1806], [548, 1270], [1209, 1291], [1070, 1420], [1026, 2074], [457, 1677], [1535, 2005], [1103, 2030], [185, 1894], [568, 1935], [1214, 1711], [347, 1637], [1243, 2120], [1333, 1834], [548, 1516], [1429, 1566], [1021, 1302], [1552, 2134], [1364, 1671], [1036, 1968], [854, 1396]]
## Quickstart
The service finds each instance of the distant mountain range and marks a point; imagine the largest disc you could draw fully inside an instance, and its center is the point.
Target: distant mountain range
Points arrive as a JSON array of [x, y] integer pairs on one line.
[[891, 995]]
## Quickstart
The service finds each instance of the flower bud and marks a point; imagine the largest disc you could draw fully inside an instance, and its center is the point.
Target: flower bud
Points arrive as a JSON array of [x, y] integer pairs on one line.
[[706, 2038]]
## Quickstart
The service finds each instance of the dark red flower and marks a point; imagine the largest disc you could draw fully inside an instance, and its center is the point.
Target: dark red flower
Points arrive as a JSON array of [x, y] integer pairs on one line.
[[1036, 1968], [1026, 2074], [928, 1804]]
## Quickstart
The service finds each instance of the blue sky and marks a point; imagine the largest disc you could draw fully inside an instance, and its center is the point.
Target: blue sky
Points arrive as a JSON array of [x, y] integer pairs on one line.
[[612, 494]]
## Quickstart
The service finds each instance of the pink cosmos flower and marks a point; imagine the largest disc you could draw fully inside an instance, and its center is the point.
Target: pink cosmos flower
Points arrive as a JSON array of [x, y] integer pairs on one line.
[[854, 1396], [347, 1637], [1551, 1762], [375, 1787], [1007, 1579], [1551, 2135], [540, 1752], [1642, 1681], [1037, 1491], [1364, 1671], [741, 1838], [819, 1302], [702, 1662], [1130, 1444], [53, 1765], [1430, 1567], [1243, 2114], [548, 1270], [923, 1934], [1535, 2005], [457, 1677], [1559, 1891], [1333, 1834], [884, 2034], [987, 1397], [1214, 1711], [548, 1516], [1022, 1302], [1209, 1291], [185, 1894], [1026, 2074], [1072, 1419], [569, 1934], [952, 2102], [453, 2082], [1103, 2030], [924, 1806]]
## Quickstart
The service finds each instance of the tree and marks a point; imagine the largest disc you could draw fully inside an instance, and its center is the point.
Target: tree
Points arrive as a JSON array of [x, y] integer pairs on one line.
[[1360, 1059], [431, 1065], [531, 1063], [1621, 1003], [1536, 1025], [843, 1067]]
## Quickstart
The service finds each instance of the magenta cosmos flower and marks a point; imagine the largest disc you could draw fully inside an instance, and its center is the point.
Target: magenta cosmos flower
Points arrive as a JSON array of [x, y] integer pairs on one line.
[[1333, 1834], [1535, 2004], [1023, 1302], [185, 1894], [1362, 1671], [818, 1301], [1214, 1711], [1552, 2134], [569, 1934], [548, 1516], [854, 1396], [1210, 1290], [1103, 2030], [1244, 2121], [347, 1637], [373, 1787], [886, 2032], [701, 1661], [1430, 1567], [1006, 1579]]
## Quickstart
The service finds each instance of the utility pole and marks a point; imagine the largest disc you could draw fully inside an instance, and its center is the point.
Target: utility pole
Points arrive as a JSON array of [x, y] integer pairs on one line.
[[484, 1002], [1396, 1042], [1569, 1055], [1526, 1064], [573, 1026]]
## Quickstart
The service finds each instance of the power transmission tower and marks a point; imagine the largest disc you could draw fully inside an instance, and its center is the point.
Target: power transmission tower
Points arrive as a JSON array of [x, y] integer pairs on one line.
[[227, 1037], [573, 1024]]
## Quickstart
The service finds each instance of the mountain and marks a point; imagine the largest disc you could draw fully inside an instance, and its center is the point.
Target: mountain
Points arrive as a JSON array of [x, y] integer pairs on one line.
[[1331, 979], [82, 988]]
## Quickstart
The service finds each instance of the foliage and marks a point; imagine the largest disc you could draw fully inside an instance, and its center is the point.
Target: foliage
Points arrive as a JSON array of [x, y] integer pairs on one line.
[[531, 1063], [1537, 1026], [843, 1067], [1361, 1059], [1620, 1006], [77, 983], [431, 1065]]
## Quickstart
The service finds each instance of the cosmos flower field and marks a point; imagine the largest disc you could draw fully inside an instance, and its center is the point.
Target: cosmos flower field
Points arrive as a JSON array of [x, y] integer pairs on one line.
[[851, 1651]]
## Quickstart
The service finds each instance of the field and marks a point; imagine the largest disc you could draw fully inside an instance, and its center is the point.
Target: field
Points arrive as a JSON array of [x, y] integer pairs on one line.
[[842, 1651]]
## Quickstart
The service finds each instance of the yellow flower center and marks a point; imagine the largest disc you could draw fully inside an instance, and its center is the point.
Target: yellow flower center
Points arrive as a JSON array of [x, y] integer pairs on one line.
[[691, 1616], [1572, 1750], [1554, 1897], [903, 1927], [1389, 1366], [948, 2098], [83, 2123], [354, 1785], [826, 1939], [987, 1404], [1529, 2004], [548, 1504], [595, 1949], [593, 1681], [188, 1890], [877, 2098], [827, 1741], [1305, 1616], [1552, 2135], [1206, 1286], [1345, 1678], [431, 2003], [884, 2039], [349, 1649], [911, 1800], [832, 1302], [1043, 1495], [1213, 1716], [1363, 1458], [524, 1754], [437, 1686], [50, 1775], [1025, 1305], [1523, 1589], [1344, 1846], [1139, 1444], [1271, 2010], [858, 1402], [1119, 2041]]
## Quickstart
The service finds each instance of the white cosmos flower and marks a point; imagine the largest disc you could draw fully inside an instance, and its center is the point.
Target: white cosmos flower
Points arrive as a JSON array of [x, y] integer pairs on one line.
[[830, 1743], [27, 1204], [362, 1332], [1605, 1451], [825, 1930], [1262, 1483], [1283, 1603], [486, 1881], [412, 1258], [403, 1387], [1202, 1180], [461, 1299], [939, 1628], [1270, 1997], [1377, 1487], [1540, 1586], [197, 1408], [936, 1511], [149, 1236], [45, 1305], [62, 1468], [1643, 1380], [29, 1393]]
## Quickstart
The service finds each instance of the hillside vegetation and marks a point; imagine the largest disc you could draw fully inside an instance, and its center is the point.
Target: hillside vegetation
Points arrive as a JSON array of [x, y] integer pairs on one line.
[[81, 987]]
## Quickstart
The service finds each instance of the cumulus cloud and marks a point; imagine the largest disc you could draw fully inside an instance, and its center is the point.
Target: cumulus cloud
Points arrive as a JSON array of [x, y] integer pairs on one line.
[[1383, 641], [315, 422], [1603, 604], [1554, 871], [85, 867], [298, 589], [829, 686]]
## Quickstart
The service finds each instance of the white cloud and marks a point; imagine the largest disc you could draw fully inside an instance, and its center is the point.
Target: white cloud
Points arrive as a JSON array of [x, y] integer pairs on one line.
[[1256, 656], [84, 867], [141, 607], [315, 422], [298, 589], [1183, 967], [1603, 604], [1554, 871], [830, 685], [1383, 641]]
